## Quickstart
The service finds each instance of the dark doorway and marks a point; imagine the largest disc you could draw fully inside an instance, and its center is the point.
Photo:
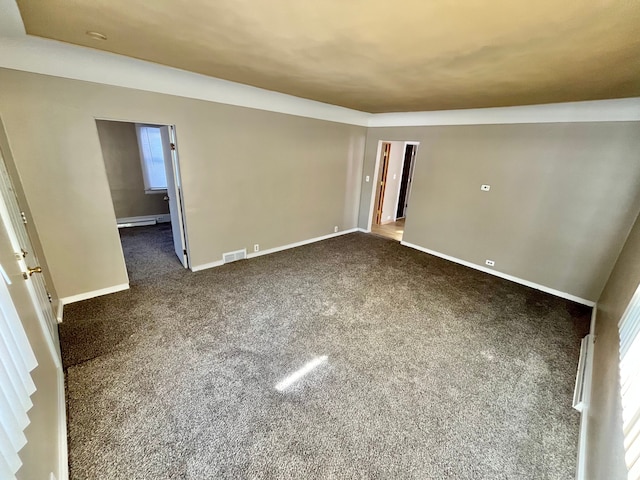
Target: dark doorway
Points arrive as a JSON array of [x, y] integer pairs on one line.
[[405, 185]]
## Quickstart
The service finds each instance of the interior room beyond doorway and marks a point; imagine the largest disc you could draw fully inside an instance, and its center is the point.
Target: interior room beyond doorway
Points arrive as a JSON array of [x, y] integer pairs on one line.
[[142, 168], [393, 173]]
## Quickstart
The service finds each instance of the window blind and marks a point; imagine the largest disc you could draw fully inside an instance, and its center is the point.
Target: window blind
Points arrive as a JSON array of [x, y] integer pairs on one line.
[[629, 328], [16, 362]]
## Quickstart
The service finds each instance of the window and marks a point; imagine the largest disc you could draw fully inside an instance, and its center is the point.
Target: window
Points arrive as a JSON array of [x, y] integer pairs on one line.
[[152, 157], [630, 384]]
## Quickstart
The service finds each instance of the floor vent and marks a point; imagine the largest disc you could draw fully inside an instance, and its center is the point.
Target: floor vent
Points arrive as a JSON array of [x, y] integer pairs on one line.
[[583, 380], [234, 256]]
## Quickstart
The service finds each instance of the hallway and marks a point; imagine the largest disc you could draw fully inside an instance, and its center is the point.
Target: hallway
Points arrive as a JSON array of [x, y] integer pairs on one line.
[[393, 230]]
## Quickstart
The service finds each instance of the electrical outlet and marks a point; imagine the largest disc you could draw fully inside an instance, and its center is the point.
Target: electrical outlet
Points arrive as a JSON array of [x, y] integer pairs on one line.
[[335, 229], [485, 188], [491, 263], [366, 179], [256, 248]]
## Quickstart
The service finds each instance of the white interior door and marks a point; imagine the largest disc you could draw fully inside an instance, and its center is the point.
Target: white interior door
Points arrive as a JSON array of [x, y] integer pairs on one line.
[[28, 270], [14, 221], [174, 192]]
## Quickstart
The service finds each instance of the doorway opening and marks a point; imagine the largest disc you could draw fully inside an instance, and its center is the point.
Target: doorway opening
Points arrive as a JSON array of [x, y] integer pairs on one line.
[[393, 174], [142, 165]]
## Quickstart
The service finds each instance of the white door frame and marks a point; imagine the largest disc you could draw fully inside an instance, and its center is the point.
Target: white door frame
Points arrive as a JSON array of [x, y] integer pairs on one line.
[[376, 170], [374, 184], [177, 170]]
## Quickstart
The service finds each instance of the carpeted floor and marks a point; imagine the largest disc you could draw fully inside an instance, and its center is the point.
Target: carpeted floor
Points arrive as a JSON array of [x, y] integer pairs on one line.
[[433, 370]]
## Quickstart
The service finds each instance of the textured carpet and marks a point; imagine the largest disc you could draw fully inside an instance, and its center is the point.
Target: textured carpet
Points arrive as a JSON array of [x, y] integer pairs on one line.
[[433, 371]]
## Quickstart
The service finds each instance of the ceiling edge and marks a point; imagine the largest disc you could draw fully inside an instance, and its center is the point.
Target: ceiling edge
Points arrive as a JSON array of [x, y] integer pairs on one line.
[[59, 59], [615, 110], [19, 51]]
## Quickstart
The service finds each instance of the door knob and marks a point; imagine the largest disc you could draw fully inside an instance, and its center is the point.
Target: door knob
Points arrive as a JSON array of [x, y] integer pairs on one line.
[[31, 271]]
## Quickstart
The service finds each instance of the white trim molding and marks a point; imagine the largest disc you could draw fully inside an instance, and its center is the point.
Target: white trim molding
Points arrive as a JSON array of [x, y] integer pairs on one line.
[[205, 266], [300, 243], [59, 59], [506, 276], [19, 51], [63, 453], [268, 251], [581, 461], [11, 24], [617, 110], [95, 293], [143, 220], [59, 311]]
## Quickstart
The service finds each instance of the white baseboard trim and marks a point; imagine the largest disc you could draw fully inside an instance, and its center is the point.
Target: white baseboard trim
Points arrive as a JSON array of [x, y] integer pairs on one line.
[[204, 266], [506, 276], [581, 461], [301, 243], [217, 263], [363, 230], [143, 220], [63, 458], [95, 293], [60, 311]]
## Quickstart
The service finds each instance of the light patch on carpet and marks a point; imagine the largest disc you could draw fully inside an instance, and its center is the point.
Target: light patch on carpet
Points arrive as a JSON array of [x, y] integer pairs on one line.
[[286, 382]]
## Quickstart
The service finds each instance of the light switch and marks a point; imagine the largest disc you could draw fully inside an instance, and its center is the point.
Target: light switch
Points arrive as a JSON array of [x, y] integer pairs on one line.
[[366, 179], [485, 188], [394, 176]]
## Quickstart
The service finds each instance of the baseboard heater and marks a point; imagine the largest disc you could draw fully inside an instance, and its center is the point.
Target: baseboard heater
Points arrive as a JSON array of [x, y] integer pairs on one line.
[[583, 377], [143, 220]]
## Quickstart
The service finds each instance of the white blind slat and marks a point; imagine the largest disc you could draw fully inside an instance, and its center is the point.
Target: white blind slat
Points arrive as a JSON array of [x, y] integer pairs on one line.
[[11, 369], [629, 328], [13, 399], [24, 364], [12, 424], [629, 388], [14, 329], [628, 335], [8, 453], [16, 385], [5, 470]]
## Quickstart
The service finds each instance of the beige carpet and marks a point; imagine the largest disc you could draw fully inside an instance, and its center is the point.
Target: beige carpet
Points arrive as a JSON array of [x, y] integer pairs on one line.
[[432, 371]]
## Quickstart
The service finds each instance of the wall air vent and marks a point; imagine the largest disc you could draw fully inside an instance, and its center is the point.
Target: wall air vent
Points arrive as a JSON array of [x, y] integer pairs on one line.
[[234, 256]]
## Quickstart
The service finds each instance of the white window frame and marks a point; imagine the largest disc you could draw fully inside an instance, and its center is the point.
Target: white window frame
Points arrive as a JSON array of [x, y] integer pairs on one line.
[[143, 160]]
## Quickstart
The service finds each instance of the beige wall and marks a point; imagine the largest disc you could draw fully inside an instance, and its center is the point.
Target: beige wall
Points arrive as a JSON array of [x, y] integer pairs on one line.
[[563, 197], [119, 145], [249, 176], [604, 424]]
